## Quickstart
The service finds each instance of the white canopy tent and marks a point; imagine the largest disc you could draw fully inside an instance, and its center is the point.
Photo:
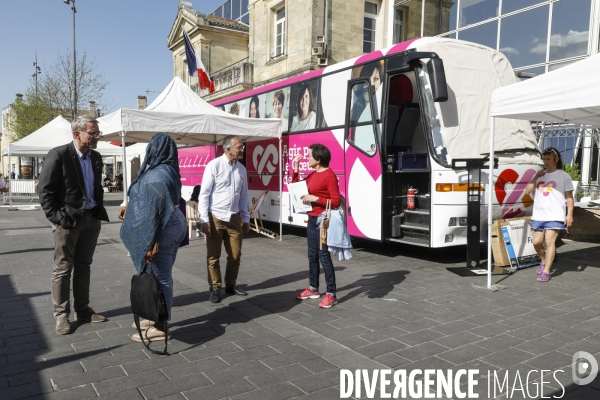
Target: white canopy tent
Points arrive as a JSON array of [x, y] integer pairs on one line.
[[185, 117], [567, 95], [55, 133]]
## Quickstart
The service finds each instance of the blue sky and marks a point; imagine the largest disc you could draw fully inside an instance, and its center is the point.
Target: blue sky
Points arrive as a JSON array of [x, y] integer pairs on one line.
[[127, 39]]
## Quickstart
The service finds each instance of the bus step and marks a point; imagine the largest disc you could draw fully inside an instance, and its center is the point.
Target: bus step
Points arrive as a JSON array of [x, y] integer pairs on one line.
[[417, 217], [412, 241], [411, 227]]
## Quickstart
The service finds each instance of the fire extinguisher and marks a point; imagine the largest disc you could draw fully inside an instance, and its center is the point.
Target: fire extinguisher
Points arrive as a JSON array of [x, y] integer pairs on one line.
[[411, 195]]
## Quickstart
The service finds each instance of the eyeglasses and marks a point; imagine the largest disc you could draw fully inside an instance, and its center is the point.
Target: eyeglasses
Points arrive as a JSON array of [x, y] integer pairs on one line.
[[239, 148], [550, 150], [94, 134]]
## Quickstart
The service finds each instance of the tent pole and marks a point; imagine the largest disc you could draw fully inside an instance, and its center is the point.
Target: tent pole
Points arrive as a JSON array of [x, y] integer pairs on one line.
[[490, 206], [125, 186], [280, 191]]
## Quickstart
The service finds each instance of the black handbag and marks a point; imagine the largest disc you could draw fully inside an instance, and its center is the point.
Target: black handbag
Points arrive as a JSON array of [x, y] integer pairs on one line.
[[148, 301]]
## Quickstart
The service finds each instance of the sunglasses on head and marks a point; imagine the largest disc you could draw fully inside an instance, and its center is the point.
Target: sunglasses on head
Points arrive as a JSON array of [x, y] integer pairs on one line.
[[550, 150]]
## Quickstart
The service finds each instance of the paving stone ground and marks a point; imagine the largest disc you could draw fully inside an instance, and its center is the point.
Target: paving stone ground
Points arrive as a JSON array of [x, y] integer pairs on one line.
[[398, 309]]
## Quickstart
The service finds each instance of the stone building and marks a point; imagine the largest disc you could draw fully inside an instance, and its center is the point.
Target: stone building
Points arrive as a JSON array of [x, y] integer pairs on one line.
[[223, 47]]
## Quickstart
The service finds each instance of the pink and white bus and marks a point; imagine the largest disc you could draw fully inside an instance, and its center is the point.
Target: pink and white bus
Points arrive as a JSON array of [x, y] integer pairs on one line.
[[394, 120]]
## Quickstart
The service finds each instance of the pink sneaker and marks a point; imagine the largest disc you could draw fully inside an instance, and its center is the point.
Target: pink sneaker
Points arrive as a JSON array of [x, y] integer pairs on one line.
[[308, 293], [328, 301]]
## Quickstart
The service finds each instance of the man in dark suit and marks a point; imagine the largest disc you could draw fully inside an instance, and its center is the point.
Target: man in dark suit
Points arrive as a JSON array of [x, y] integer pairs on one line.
[[71, 195]]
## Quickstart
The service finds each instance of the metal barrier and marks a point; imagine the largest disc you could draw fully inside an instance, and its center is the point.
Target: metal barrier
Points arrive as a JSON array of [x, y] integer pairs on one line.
[[22, 189]]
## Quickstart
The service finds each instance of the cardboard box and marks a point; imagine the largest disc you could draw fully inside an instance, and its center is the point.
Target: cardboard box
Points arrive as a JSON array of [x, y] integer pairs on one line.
[[498, 247]]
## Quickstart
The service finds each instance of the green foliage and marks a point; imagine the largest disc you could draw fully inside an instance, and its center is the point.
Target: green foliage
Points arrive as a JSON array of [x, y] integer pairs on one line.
[[28, 116], [574, 171]]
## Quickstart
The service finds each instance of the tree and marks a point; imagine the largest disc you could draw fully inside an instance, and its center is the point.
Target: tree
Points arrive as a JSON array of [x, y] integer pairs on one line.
[[55, 87], [29, 115]]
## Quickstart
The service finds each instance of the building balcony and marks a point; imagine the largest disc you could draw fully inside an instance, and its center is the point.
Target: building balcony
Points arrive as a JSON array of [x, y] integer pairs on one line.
[[233, 79]]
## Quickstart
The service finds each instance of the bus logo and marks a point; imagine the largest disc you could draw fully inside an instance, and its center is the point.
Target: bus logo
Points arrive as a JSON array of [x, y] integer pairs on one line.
[[265, 159]]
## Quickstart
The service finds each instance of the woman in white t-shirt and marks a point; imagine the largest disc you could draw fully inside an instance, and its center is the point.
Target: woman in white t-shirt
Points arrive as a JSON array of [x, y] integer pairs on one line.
[[552, 190]]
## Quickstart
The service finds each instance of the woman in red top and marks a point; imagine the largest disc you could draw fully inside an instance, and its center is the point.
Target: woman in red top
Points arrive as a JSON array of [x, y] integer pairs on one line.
[[322, 185]]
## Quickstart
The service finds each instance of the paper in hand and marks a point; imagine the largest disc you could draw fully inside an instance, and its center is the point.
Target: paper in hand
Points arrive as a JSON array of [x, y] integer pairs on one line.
[[296, 190]]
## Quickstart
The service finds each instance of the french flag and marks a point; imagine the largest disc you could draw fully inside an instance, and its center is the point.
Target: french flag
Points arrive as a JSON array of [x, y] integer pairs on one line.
[[195, 65]]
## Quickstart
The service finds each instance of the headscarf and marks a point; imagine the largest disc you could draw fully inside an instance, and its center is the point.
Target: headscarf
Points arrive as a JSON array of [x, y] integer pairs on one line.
[[161, 150], [153, 196]]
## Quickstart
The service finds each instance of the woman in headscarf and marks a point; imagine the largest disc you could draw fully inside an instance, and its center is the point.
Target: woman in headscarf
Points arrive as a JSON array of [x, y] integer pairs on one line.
[[153, 217]]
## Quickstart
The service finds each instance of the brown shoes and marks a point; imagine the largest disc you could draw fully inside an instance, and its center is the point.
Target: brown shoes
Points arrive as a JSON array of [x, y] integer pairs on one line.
[[63, 326], [88, 315], [151, 335]]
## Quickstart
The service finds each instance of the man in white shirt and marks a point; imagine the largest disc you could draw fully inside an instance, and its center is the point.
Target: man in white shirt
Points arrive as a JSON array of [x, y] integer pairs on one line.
[[223, 206]]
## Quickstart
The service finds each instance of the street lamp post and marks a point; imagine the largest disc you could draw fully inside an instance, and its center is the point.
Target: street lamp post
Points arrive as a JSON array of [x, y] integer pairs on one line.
[[37, 70], [74, 11]]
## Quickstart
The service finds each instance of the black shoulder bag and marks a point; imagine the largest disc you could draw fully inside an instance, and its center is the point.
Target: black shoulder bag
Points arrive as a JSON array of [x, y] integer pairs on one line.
[[148, 301]]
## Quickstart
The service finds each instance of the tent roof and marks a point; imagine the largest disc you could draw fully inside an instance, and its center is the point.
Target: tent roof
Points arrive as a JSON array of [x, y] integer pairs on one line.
[[570, 94], [183, 115], [55, 133]]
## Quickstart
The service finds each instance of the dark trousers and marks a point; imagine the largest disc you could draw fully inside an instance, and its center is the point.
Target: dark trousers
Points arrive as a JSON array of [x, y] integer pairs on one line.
[[73, 254], [315, 255], [228, 233]]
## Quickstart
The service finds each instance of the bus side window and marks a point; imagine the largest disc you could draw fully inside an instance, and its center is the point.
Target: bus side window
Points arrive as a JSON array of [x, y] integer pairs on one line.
[[360, 125]]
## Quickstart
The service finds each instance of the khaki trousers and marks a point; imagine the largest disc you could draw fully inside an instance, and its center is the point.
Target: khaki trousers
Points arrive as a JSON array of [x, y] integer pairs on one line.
[[73, 254], [229, 233]]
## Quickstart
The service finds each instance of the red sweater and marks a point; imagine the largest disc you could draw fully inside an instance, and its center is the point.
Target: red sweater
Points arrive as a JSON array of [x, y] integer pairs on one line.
[[325, 186]]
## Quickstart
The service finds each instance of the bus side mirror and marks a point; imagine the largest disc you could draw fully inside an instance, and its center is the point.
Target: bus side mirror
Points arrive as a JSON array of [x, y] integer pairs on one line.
[[437, 79]]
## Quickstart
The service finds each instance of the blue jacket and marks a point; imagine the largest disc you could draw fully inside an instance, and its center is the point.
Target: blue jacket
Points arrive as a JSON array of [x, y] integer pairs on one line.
[[338, 239]]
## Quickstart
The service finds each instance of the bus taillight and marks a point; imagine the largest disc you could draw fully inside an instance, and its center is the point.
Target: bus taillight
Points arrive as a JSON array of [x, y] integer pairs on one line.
[[455, 187], [443, 187]]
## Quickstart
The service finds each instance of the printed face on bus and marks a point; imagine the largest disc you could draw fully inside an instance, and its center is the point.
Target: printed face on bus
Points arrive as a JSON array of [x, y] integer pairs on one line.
[[375, 79], [277, 107], [253, 109], [304, 104]]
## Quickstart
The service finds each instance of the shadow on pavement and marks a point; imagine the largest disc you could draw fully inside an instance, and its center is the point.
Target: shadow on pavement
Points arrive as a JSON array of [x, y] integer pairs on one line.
[[27, 353]]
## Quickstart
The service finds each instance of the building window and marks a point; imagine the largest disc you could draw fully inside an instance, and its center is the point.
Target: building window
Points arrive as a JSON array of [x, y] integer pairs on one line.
[[236, 10], [473, 11], [279, 32], [369, 27], [485, 34], [522, 42], [570, 29], [398, 25]]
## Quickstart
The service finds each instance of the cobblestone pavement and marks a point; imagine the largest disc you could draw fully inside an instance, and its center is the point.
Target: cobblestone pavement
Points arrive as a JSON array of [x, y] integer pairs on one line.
[[398, 309]]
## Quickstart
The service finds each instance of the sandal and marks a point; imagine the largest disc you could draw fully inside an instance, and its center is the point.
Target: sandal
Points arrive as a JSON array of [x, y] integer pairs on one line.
[[144, 323], [544, 277], [540, 269], [151, 335]]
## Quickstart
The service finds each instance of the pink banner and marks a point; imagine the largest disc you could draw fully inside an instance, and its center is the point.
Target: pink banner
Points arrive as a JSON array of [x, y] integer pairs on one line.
[[192, 161]]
